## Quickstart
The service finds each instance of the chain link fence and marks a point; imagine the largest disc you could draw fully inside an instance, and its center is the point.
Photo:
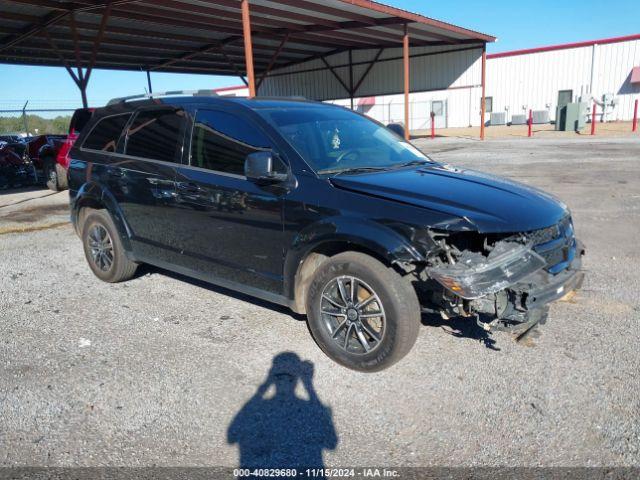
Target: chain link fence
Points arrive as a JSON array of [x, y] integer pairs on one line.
[[37, 116]]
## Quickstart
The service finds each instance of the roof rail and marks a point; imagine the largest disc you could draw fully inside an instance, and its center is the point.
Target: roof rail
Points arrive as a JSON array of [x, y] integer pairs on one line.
[[171, 93], [280, 97]]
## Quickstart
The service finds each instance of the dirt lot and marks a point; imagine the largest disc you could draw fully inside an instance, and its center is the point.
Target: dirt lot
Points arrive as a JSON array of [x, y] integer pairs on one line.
[[162, 370]]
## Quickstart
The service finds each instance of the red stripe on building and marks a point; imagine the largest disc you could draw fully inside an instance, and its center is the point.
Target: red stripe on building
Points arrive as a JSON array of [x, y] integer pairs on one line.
[[565, 46]]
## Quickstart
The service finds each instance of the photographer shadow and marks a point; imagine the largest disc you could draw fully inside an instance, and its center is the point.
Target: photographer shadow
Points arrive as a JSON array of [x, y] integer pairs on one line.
[[277, 428]]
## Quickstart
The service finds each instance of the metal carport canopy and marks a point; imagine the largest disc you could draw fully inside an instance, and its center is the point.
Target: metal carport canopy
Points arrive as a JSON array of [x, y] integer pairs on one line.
[[219, 37]]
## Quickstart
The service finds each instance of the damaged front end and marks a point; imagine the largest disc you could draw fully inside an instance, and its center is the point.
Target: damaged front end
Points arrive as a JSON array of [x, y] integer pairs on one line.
[[505, 280]]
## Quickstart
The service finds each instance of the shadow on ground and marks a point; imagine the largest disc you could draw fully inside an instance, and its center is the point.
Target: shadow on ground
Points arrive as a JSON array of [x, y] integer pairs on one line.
[[276, 428], [461, 327]]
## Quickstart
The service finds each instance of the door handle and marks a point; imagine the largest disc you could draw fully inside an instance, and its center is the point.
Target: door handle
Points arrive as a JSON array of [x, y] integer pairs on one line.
[[187, 187], [117, 172]]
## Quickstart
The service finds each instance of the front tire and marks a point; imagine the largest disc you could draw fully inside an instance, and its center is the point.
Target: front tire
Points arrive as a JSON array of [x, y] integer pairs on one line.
[[363, 314], [103, 249]]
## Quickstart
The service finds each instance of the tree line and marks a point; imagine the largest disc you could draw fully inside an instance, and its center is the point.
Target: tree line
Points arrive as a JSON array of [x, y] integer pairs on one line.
[[57, 125]]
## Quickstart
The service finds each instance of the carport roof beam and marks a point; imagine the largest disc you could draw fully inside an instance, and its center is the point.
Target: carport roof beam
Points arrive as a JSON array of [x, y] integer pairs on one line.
[[315, 28]]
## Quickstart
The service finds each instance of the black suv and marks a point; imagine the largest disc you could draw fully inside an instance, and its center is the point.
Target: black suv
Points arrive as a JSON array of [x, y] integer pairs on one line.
[[320, 209]]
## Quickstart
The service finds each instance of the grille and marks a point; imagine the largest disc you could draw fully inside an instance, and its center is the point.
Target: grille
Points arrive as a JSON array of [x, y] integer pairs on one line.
[[556, 244]]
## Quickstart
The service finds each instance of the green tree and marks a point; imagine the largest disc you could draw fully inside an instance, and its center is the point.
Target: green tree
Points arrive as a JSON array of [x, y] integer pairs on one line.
[[57, 125]]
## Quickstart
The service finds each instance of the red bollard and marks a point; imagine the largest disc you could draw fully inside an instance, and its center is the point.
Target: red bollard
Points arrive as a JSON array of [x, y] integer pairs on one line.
[[593, 120], [530, 122], [433, 125], [635, 118]]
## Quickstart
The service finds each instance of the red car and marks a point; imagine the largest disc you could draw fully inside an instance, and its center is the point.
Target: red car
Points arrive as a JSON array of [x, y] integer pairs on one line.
[[54, 156], [37, 143]]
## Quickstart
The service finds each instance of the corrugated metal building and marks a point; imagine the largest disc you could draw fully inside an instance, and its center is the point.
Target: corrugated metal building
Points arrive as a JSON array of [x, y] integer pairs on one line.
[[445, 72], [450, 84], [534, 79]]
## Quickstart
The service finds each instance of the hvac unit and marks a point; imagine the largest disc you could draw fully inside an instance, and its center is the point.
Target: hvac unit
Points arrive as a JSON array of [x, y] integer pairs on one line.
[[498, 118], [518, 120], [540, 116]]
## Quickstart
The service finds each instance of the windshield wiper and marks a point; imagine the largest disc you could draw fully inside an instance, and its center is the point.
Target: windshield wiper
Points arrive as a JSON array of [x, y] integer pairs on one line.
[[412, 163], [340, 171]]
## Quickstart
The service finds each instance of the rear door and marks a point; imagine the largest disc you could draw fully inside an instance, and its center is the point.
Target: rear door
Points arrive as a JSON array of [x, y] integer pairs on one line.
[[142, 179]]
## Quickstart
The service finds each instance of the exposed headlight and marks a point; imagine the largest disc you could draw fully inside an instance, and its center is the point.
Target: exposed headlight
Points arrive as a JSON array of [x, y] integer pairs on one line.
[[473, 280]]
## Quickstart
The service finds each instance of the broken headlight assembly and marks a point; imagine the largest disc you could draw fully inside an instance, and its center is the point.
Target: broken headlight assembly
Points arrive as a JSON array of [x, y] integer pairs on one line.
[[474, 276]]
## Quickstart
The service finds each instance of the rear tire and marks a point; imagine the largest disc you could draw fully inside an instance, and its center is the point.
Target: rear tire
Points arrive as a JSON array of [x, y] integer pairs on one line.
[[61, 175], [367, 329], [103, 249], [51, 175]]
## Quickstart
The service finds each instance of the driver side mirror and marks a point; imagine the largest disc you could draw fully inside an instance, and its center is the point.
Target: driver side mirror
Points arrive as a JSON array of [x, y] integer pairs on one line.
[[261, 167]]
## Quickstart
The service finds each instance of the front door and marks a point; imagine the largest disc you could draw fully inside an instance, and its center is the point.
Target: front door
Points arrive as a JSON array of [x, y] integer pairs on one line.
[[228, 227]]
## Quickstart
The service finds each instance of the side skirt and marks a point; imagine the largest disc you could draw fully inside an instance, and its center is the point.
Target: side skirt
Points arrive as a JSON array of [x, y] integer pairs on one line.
[[221, 282]]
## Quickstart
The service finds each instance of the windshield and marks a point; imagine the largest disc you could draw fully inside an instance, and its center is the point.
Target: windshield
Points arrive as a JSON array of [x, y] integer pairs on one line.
[[335, 140]]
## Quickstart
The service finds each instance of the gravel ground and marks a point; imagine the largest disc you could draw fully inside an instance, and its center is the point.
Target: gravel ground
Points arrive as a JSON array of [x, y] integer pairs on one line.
[[162, 370]]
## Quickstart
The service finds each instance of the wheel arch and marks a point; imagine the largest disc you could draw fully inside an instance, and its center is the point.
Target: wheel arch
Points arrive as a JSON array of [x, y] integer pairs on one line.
[[338, 235], [95, 196]]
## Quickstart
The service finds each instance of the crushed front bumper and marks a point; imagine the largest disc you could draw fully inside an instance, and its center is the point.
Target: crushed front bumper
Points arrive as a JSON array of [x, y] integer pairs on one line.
[[551, 293], [543, 288]]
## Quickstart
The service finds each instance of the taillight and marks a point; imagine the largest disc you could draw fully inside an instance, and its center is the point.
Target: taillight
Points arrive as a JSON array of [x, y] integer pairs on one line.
[[63, 154]]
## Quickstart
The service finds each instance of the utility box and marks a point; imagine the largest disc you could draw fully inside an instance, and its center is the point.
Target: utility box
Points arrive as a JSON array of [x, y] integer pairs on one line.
[[540, 117], [572, 117], [518, 119], [498, 118]]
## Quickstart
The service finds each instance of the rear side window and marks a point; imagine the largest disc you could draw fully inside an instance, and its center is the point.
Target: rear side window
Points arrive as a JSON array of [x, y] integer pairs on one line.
[[221, 141], [157, 135], [105, 134]]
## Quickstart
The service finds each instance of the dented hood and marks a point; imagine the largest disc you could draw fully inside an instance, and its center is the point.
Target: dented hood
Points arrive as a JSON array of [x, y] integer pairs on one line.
[[491, 203]]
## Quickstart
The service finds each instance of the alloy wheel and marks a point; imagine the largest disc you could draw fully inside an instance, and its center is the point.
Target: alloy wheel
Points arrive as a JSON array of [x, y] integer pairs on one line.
[[101, 247], [353, 314], [53, 176]]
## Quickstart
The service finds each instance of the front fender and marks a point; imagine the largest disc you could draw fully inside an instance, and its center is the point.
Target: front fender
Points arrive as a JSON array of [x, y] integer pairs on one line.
[[95, 195], [361, 233]]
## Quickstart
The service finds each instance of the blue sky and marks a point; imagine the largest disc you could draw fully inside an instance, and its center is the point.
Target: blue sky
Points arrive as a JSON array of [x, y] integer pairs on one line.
[[517, 24]]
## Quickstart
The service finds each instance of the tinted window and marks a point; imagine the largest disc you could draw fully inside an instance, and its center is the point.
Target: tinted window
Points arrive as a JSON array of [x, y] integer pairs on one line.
[[105, 133], [156, 135], [221, 141]]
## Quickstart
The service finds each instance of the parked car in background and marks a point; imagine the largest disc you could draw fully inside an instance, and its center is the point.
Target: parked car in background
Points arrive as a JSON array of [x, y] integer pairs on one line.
[[321, 209], [16, 170], [12, 138], [37, 143], [54, 155]]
